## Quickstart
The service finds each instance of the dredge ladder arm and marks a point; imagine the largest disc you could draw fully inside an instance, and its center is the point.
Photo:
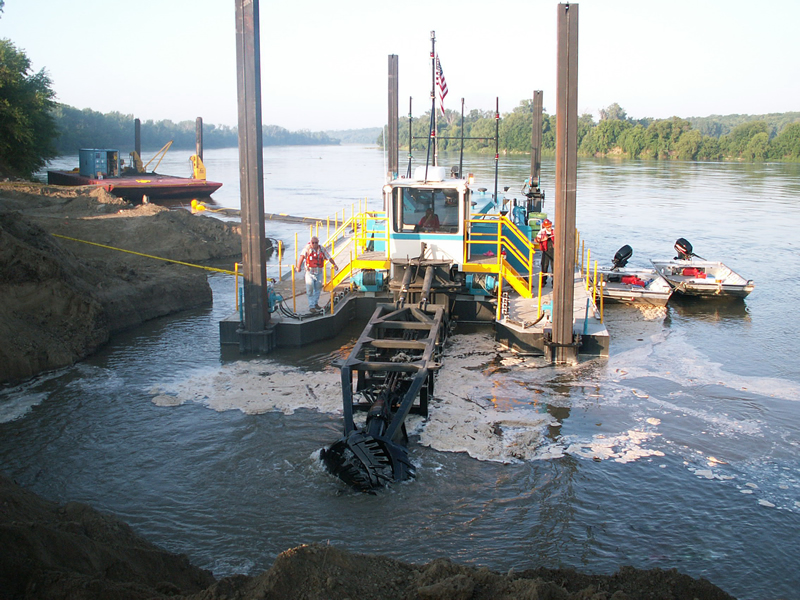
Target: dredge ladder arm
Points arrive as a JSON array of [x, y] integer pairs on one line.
[[394, 360]]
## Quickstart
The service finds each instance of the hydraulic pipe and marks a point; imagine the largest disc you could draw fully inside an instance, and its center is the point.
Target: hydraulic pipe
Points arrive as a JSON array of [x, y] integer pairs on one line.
[[404, 286], [427, 283]]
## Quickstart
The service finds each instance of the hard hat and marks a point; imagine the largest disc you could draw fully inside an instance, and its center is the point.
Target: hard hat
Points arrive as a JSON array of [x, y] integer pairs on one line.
[[546, 222]]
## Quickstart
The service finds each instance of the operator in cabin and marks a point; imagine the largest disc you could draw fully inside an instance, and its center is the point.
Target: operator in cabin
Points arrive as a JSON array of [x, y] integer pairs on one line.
[[314, 256], [430, 222]]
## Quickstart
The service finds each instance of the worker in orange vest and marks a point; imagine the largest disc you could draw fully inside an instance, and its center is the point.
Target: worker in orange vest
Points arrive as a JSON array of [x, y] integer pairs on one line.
[[314, 256]]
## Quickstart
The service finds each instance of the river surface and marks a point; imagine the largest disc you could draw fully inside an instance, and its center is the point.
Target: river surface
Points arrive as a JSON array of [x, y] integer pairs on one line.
[[679, 450]]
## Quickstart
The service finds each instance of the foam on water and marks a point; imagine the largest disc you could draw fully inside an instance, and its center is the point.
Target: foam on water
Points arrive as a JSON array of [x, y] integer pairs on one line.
[[494, 405], [680, 362], [19, 402], [255, 387], [489, 417]]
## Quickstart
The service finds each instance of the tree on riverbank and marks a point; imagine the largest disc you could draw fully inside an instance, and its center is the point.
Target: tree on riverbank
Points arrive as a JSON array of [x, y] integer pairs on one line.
[[737, 137], [771, 137], [27, 128]]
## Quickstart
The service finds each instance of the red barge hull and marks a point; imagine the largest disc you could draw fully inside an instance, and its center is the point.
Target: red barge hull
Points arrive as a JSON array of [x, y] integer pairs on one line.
[[135, 186]]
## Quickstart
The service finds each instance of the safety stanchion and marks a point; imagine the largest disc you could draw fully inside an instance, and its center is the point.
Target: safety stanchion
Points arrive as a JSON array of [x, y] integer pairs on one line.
[[294, 269]]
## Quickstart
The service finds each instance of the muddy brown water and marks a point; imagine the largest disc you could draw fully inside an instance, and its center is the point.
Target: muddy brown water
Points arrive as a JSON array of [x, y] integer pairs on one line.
[[679, 450]]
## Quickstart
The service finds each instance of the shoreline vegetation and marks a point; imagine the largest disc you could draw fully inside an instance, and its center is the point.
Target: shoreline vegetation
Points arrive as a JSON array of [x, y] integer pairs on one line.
[[90, 129], [749, 138]]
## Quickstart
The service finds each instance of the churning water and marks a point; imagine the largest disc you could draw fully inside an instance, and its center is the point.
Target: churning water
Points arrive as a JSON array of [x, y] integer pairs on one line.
[[679, 450]]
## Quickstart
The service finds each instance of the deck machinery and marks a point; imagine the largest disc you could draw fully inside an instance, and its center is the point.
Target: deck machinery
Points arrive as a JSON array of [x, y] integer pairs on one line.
[[441, 251]]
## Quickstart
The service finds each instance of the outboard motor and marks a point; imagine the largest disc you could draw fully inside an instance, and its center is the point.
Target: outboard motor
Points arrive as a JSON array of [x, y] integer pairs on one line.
[[622, 257], [684, 249]]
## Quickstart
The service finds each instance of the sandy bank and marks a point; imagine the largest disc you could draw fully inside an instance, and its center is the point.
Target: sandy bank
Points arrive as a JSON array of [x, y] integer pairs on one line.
[[60, 300]]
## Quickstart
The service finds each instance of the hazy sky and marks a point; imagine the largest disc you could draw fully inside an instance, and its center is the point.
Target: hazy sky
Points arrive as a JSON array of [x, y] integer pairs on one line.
[[324, 63]]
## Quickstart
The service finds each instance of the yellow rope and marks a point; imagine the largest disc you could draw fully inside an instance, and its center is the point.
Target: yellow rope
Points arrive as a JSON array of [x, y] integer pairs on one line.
[[177, 262]]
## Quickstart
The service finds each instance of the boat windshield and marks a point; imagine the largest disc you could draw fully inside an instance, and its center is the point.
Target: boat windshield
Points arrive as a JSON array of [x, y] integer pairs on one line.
[[425, 209]]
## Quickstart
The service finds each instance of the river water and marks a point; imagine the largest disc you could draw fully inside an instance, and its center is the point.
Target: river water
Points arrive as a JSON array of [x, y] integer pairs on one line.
[[678, 450]]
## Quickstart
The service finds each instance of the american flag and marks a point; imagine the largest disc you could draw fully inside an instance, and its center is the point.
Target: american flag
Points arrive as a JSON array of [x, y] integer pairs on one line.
[[441, 83]]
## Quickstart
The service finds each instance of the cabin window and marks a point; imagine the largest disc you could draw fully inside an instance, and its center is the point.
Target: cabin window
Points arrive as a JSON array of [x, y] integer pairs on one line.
[[411, 207]]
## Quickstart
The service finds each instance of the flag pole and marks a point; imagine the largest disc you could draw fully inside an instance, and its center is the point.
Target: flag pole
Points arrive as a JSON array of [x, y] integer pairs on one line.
[[433, 100]]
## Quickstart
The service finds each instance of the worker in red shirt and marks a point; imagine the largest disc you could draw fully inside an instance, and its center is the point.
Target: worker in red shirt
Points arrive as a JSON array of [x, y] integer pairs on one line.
[[545, 240], [430, 222]]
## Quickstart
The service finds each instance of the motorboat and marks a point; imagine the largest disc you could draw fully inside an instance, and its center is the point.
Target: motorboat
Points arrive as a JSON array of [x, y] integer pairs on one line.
[[632, 285], [692, 275]]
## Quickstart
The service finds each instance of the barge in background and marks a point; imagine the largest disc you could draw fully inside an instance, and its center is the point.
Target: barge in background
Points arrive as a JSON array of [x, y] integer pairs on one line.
[[103, 168]]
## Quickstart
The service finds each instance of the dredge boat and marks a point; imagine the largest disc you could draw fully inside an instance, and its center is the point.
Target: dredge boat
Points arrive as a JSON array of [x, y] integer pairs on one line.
[[692, 275], [103, 168], [430, 261], [443, 251], [632, 285]]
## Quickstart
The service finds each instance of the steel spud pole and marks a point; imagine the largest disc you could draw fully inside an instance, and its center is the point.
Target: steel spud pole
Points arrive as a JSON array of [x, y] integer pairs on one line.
[[566, 183], [251, 165]]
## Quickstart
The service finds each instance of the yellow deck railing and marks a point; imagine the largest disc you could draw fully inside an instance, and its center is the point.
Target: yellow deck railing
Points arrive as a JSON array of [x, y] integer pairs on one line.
[[592, 281], [508, 242], [350, 240]]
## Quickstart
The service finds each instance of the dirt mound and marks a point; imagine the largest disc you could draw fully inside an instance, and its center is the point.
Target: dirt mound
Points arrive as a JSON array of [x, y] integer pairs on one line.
[[319, 571], [26, 195], [61, 297], [73, 551]]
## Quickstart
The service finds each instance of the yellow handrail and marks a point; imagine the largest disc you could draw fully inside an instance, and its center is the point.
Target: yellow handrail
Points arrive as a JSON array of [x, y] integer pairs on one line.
[[340, 276], [506, 246], [366, 227]]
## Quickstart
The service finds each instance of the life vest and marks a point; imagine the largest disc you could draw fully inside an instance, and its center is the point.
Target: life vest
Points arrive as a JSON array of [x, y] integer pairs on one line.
[[694, 272], [315, 259], [544, 238], [633, 280]]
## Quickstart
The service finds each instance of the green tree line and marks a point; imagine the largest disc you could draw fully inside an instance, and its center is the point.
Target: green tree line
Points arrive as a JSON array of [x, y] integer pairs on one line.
[[736, 137], [91, 129]]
